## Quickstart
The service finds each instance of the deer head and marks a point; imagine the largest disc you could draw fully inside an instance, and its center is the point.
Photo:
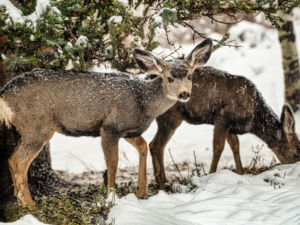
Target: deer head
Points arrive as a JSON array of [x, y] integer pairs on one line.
[[288, 148], [176, 75]]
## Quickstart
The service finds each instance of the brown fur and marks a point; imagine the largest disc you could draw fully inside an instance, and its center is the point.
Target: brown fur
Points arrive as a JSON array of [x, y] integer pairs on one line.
[[109, 105], [234, 105]]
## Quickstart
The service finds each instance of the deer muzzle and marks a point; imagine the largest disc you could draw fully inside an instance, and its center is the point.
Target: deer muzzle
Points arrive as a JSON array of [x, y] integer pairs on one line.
[[184, 96]]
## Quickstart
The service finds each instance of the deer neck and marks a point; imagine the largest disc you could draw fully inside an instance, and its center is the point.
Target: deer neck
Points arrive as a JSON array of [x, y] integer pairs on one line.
[[268, 126], [153, 101]]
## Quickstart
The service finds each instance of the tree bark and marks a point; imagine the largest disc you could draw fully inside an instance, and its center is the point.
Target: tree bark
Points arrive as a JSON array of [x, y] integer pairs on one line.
[[290, 59]]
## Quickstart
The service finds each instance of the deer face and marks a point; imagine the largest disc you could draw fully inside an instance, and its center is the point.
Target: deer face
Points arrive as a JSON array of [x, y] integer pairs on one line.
[[176, 75], [288, 149]]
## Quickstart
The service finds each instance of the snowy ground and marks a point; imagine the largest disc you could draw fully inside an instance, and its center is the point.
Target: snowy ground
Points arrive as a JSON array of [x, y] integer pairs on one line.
[[260, 63], [220, 198], [223, 198], [26, 220]]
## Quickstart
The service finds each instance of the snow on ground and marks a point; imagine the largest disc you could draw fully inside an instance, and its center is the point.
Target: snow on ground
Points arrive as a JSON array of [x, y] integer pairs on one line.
[[220, 198], [26, 220], [223, 198], [259, 60]]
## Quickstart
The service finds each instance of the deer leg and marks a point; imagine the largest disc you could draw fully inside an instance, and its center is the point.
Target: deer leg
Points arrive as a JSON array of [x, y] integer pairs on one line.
[[234, 143], [166, 129], [141, 145], [109, 144], [220, 135], [19, 162]]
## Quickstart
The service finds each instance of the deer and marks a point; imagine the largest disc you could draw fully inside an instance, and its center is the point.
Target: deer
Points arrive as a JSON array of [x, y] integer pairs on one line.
[[110, 105], [234, 106]]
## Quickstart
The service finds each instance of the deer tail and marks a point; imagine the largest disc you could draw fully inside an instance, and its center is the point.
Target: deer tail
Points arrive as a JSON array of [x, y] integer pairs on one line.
[[5, 113]]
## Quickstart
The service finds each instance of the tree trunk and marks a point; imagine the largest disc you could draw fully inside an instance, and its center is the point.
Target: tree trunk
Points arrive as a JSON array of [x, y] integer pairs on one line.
[[41, 178], [290, 62]]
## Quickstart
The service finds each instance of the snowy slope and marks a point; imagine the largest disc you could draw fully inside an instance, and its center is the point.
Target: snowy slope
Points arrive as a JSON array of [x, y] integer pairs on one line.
[[259, 60], [220, 198]]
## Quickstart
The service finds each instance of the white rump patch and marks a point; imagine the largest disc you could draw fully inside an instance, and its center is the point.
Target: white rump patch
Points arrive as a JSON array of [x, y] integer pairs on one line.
[[5, 113]]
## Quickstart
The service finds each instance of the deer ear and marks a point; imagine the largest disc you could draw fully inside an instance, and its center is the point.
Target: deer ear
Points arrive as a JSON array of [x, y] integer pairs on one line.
[[287, 119], [200, 54], [148, 62]]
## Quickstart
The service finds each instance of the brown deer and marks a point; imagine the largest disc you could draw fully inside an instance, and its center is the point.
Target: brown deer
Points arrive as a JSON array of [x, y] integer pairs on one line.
[[110, 105], [234, 106]]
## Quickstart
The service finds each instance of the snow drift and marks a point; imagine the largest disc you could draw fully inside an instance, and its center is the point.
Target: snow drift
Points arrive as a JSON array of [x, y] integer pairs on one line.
[[220, 198]]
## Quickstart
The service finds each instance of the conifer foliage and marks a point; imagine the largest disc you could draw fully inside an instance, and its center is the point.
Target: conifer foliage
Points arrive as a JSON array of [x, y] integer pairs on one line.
[[51, 33], [77, 30]]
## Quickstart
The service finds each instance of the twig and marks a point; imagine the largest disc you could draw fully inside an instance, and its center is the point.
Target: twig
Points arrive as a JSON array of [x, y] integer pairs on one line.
[[218, 21], [215, 40], [175, 164], [86, 166], [126, 158], [167, 36], [254, 164], [251, 163], [172, 52], [203, 169], [6, 190], [198, 172], [272, 182], [200, 34]]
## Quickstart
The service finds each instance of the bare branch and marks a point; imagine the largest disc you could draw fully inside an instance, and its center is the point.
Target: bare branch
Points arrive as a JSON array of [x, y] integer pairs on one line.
[[172, 52], [176, 165], [215, 40], [203, 169], [166, 30], [197, 170], [218, 21], [190, 26]]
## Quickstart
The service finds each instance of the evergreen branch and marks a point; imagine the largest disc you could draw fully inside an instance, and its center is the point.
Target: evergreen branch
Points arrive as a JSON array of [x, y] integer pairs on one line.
[[47, 44]]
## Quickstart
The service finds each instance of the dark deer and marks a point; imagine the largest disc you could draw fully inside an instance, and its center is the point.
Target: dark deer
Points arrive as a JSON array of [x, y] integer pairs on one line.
[[110, 105], [234, 106]]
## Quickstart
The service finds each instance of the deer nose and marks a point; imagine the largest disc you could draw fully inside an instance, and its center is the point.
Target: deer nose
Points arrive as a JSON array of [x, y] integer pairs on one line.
[[184, 95]]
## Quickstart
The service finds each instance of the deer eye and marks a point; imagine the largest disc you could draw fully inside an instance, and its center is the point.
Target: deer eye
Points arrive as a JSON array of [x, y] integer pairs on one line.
[[189, 77], [170, 79]]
